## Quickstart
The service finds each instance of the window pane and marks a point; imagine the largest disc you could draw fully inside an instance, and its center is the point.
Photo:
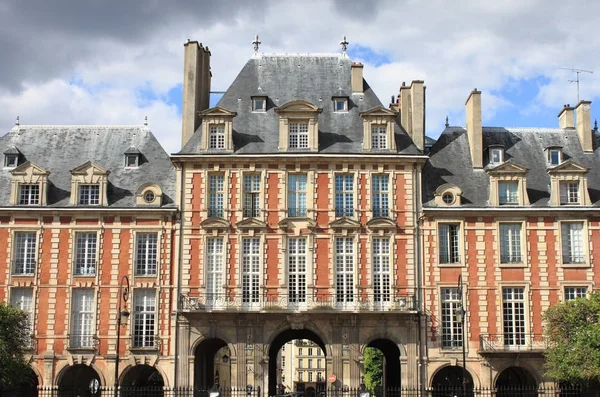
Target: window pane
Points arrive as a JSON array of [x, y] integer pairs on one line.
[[22, 298], [381, 270], [344, 269], [147, 254], [297, 195], [380, 196], [251, 196], [296, 263], [89, 194], [572, 242], [513, 306], [572, 293], [344, 195], [508, 192], [569, 192], [24, 253], [251, 270], [85, 254], [144, 318], [298, 135], [217, 137], [216, 186], [510, 243], [214, 269], [29, 194], [379, 137], [451, 328], [82, 319]]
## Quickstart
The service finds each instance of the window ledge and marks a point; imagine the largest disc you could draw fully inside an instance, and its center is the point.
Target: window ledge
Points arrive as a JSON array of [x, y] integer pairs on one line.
[[514, 265], [454, 264], [576, 265]]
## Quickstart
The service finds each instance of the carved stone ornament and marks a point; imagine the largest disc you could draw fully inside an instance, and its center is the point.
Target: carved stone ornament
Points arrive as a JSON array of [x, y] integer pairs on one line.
[[297, 322]]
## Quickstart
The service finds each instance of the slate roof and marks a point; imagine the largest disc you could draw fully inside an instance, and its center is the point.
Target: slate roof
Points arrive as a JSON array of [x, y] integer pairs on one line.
[[450, 162], [59, 149], [286, 77]]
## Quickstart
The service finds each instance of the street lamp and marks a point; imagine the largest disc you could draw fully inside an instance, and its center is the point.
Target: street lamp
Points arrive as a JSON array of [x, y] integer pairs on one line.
[[122, 313], [460, 315]]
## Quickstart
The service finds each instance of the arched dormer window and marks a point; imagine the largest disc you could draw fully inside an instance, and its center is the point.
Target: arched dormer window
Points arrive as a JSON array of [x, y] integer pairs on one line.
[[149, 194], [217, 130], [448, 195], [298, 126], [29, 185]]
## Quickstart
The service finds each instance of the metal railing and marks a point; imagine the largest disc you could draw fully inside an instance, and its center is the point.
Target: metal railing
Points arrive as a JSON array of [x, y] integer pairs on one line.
[[82, 341], [573, 259], [383, 212], [145, 342], [508, 342], [344, 211], [318, 301], [297, 212]]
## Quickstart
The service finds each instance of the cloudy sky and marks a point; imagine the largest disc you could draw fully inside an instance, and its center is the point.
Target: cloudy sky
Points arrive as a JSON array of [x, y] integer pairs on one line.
[[114, 62]]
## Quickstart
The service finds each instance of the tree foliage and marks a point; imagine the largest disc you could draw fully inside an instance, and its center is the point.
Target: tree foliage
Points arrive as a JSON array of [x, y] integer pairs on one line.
[[373, 368], [572, 331], [14, 339]]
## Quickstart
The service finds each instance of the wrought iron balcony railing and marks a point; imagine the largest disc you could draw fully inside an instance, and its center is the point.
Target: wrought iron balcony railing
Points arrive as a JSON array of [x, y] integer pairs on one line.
[[145, 342], [573, 259], [24, 267], [83, 341], [511, 258], [83, 268], [297, 302], [509, 342], [297, 212], [344, 211], [382, 212]]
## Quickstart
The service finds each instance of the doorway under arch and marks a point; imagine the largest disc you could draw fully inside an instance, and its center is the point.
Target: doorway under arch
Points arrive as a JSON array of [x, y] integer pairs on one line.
[[280, 340], [448, 380], [516, 381], [76, 380], [142, 379], [391, 362], [211, 364]]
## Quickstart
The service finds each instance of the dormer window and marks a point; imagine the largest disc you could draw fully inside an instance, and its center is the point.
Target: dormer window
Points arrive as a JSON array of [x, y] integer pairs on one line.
[[89, 184], [259, 104], [29, 194], [217, 129], [496, 155], [508, 184], [568, 184], [132, 158], [379, 129], [217, 136], [28, 185], [569, 192], [89, 194], [298, 126], [554, 156], [340, 104], [11, 160], [298, 134], [508, 192], [378, 136]]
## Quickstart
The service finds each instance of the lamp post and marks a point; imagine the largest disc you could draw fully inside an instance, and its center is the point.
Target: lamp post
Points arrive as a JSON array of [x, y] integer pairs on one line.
[[123, 296], [460, 317]]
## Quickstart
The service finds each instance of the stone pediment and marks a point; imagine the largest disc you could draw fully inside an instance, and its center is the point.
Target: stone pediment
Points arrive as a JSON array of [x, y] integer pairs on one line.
[[568, 167], [214, 223], [299, 223], [89, 168], [297, 106], [508, 167], [30, 169], [345, 223], [218, 111], [381, 223], [251, 223], [378, 111]]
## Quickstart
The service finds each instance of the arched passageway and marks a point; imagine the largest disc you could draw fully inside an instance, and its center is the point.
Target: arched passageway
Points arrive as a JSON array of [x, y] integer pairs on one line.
[[516, 382], [283, 338], [448, 381], [391, 362], [78, 380], [211, 365], [142, 380]]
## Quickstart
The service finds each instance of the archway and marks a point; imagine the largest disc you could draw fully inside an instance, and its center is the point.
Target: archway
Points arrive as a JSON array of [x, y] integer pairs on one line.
[[77, 380], [299, 335], [448, 381], [142, 380], [390, 363], [27, 387], [211, 364], [516, 381]]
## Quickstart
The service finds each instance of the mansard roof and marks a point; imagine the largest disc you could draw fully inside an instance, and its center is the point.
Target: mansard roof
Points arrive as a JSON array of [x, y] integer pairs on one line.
[[61, 149], [286, 78], [450, 162]]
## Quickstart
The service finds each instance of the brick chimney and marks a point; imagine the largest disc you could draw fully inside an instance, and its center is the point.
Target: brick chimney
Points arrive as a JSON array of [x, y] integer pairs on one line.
[[474, 128], [356, 78], [196, 87], [566, 117], [412, 111], [584, 125]]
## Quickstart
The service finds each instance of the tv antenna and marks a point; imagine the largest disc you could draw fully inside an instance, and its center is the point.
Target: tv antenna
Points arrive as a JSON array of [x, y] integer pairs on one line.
[[577, 73]]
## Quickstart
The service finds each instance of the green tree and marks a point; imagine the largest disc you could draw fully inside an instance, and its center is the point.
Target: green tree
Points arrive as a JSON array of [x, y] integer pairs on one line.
[[572, 331], [14, 339], [373, 368]]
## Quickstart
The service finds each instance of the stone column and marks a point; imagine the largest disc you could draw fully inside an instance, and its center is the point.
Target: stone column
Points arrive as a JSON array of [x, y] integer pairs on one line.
[[183, 360]]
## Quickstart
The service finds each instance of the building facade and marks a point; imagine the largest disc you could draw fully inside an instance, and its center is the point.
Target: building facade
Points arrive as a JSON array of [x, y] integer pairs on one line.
[[302, 368], [81, 207]]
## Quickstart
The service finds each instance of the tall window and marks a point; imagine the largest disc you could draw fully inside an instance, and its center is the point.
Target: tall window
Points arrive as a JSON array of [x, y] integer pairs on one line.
[[297, 195], [251, 195], [85, 254], [508, 193], [298, 135], [378, 137], [300, 376], [217, 136], [380, 195], [310, 362], [89, 194], [513, 308], [214, 268], [82, 318], [310, 375], [572, 293], [22, 298], [216, 192], [144, 318], [510, 243], [451, 329], [449, 246], [344, 195], [29, 194], [569, 192], [344, 269], [296, 258], [381, 269], [572, 242], [147, 254], [24, 253], [251, 270]]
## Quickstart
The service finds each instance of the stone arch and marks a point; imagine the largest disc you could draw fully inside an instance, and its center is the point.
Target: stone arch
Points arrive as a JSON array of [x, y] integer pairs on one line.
[[202, 338], [392, 368], [64, 367], [76, 378], [206, 367], [400, 345], [37, 373], [523, 366], [129, 367], [285, 325], [471, 372]]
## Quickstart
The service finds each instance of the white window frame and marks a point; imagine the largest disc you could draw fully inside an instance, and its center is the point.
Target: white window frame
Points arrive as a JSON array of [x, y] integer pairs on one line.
[[379, 136], [496, 155], [551, 153], [252, 195], [298, 134], [83, 319], [451, 244], [297, 269], [380, 195], [145, 319], [251, 268], [515, 246], [89, 194], [215, 270], [135, 158], [29, 193], [85, 253], [580, 250], [514, 331], [297, 196], [345, 267], [381, 253], [24, 251], [343, 102], [344, 195], [216, 195], [506, 196], [569, 192], [147, 253], [572, 292], [23, 298], [216, 136], [452, 332], [256, 101], [11, 160]]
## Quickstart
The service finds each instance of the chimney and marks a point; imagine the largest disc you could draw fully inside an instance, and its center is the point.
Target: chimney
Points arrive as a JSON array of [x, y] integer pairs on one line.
[[566, 117], [394, 104], [356, 78], [196, 87], [405, 108], [474, 129], [584, 125], [417, 97]]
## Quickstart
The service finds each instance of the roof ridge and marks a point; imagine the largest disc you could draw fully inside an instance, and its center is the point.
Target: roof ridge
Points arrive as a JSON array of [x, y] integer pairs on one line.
[[63, 126], [299, 54]]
